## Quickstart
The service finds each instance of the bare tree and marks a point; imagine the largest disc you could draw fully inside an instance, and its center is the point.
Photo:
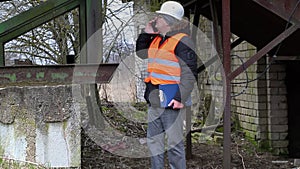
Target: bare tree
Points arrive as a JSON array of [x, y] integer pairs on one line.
[[52, 41], [46, 44]]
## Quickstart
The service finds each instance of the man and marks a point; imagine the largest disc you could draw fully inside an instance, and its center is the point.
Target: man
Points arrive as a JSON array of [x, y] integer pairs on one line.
[[172, 68]]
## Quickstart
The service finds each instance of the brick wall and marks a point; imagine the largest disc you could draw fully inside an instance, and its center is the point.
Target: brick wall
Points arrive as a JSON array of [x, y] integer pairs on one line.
[[261, 111], [277, 108], [245, 100]]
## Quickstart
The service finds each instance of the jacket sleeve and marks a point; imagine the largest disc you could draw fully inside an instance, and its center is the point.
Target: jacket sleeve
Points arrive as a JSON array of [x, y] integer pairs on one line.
[[142, 44], [185, 51]]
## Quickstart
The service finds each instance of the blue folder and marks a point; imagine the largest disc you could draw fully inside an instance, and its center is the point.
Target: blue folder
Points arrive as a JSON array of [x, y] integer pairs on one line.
[[167, 92]]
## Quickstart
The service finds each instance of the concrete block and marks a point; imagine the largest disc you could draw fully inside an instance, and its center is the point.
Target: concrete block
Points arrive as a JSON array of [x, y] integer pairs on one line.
[[297, 162], [45, 128]]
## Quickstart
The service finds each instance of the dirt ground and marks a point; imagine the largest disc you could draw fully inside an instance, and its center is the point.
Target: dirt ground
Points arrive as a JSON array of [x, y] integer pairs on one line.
[[205, 156], [101, 149], [243, 155]]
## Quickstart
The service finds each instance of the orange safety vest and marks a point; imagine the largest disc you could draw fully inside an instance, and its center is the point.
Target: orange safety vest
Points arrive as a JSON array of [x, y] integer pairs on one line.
[[163, 65]]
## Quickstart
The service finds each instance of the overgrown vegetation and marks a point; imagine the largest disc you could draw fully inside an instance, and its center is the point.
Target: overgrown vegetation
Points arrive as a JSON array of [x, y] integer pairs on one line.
[[15, 164], [130, 120]]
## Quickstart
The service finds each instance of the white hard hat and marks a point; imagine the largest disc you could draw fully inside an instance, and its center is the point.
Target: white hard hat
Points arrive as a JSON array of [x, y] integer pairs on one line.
[[172, 8]]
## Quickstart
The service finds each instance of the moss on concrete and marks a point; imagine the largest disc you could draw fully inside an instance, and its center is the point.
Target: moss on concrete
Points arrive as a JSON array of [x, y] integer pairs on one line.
[[1, 151]]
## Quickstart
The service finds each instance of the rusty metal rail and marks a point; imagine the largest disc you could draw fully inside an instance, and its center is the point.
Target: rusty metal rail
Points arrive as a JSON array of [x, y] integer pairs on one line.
[[56, 74]]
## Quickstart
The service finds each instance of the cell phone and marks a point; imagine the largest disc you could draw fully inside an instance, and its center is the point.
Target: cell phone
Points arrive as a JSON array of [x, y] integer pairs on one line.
[[153, 26]]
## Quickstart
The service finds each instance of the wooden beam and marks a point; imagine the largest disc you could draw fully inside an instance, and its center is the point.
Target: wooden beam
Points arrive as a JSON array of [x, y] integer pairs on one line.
[[226, 34]]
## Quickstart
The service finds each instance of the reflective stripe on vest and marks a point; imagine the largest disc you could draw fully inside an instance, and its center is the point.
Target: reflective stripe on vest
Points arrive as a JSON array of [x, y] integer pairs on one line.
[[163, 65]]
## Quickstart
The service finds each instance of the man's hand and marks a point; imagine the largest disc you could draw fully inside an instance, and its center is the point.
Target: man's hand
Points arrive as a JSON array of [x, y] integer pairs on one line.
[[149, 28], [176, 104]]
